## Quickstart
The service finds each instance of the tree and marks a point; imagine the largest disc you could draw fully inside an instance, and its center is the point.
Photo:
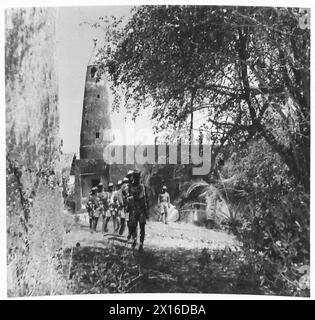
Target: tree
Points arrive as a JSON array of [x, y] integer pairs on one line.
[[247, 67]]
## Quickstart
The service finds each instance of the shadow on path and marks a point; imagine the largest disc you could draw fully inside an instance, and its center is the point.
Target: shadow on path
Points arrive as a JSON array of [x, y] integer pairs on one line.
[[120, 269]]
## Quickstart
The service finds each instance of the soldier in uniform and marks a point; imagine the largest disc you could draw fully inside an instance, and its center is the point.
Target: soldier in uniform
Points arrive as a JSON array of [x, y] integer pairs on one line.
[[118, 198], [112, 208], [103, 199], [125, 211], [129, 178], [164, 203], [139, 205], [89, 208], [95, 208]]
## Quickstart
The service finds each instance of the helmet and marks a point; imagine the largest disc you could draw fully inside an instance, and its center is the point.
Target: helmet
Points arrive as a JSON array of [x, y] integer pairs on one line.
[[100, 184], [110, 184], [136, 172], [125, 180], [130, 173], [119, 183], [94, 189], [164, 187]]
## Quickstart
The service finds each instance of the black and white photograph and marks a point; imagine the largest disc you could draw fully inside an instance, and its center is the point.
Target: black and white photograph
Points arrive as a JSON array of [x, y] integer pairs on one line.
[[157, 148]]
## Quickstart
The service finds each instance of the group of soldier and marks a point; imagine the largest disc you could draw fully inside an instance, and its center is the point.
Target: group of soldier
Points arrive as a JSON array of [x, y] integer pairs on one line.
[[127, 205]]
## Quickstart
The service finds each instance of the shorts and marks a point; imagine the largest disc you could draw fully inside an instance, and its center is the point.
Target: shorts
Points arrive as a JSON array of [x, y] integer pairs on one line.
[[108, 213], [97, 213], [124, 214], [137, 216]]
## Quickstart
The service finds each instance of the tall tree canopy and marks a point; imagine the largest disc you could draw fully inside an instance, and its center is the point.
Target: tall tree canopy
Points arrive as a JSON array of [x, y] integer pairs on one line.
[[248, 68]]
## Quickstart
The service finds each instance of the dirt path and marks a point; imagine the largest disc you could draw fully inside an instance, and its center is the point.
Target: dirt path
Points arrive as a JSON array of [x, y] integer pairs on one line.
[[178, 257], [159, 236]]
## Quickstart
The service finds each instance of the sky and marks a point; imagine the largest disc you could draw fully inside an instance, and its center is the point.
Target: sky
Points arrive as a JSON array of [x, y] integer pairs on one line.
[[74, 48]]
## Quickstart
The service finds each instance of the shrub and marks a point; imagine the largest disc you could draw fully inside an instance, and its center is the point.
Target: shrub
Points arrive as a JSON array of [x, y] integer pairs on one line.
[[275, 219]]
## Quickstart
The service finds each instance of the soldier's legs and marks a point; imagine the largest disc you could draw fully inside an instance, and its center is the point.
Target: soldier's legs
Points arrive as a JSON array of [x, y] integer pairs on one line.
[[129, 230], [133, 234], [133, 222], [142, 233], [118, 222], [122, 226], [166, 213], [105, 223], [114, 222], [90, 220], [95, 220], [108, 215], [161, 217]]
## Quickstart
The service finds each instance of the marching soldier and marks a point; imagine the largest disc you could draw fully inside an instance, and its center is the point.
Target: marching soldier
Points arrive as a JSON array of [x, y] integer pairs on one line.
[[94, 209], [103, 199], [89, 208], [119, 199], [164, 203], [112, 209], [129, 207], [126, 209], [130, 176], [139, 205]]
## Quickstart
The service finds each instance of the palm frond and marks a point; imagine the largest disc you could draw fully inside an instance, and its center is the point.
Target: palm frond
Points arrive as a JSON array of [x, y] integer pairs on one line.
[[196, 185]]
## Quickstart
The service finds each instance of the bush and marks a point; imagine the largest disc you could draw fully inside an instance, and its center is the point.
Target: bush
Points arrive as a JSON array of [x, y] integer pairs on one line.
[[275, 219]]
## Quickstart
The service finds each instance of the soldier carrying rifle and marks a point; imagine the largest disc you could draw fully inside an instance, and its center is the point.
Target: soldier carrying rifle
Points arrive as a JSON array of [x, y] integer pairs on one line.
[[138, 205]]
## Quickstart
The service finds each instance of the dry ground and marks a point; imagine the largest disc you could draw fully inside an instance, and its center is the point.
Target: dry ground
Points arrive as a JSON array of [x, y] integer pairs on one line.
[[178, 257]]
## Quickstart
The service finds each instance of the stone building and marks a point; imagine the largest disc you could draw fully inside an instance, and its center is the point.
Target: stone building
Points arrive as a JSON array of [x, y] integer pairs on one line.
[[95, 128]]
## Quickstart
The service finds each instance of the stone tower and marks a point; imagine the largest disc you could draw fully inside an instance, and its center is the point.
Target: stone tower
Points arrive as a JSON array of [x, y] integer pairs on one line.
[[96, 112], [95, 128]]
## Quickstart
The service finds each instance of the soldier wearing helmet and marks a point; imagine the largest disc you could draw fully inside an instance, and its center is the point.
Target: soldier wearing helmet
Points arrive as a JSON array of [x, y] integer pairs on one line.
[[129, 175], [126, 208], [112, 209], [89, 207], [164, 204], [119, 200], [93, 208], [103, 199], [139, 205]]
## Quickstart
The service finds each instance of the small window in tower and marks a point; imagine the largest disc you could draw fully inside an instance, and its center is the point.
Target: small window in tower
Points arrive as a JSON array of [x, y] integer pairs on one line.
[[93, 72], [98, 95], [97, 134]]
